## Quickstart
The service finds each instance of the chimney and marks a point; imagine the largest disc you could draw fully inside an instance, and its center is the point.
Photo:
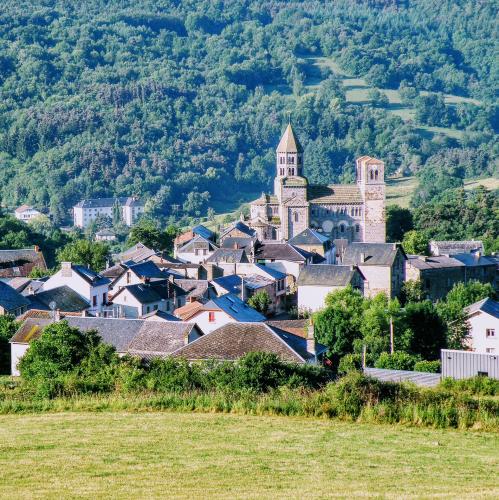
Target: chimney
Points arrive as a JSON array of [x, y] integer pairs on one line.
[[66, 270], [36, 248], [57, 315], [311, 348], [192, 299], [84, 314], [362, 257]]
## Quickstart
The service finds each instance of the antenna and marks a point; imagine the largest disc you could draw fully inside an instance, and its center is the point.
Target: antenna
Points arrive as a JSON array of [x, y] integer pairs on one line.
[[52, 306]]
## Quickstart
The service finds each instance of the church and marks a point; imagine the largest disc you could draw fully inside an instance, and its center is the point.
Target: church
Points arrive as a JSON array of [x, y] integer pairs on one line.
[[354, 212]]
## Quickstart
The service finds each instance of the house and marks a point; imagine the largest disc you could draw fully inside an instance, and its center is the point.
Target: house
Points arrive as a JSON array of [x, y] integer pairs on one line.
[[217, 312], [27, 286], [483, 326], [61, 298], [137, 337], [90, 285], [467, 364], [318, 280], [158, 315], [20, 262], [11, 302], [105, 235], [203, 231], [187, 236], [196, 250], [225, 258], [247, 244], [138, 253], [232, 341], [237, 230], [283, 257], [450, 248], [382, 264], [314, 242], [131, 273], [128, 208], [26, 213], [134, 301], [477, 267], [200, 290], [437, 274]]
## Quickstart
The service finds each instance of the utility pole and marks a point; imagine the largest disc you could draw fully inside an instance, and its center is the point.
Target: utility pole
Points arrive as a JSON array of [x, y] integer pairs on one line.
[[392, 347], [364, 356]]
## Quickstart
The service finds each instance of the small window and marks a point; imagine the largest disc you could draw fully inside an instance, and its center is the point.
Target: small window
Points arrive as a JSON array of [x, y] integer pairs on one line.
[[148, 310], [94, 300], [427, 284], [128, 277], [104, 298], [296, 217], [342, 228], [376, 174], [211, 317], [291, 160], [357, 228], [489, 350], [483, 374], [490, 332]]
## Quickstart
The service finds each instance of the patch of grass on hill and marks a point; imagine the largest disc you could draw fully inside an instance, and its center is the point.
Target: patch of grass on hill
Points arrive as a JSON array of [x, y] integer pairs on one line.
[[399, 190], [227, 456]]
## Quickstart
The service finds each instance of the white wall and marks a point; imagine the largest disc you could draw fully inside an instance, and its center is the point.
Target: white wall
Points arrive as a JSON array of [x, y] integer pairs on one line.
[[192, 257], [312, 298], [479, 341], [379, 279], [17, 351], [285, 266], [202, 320]]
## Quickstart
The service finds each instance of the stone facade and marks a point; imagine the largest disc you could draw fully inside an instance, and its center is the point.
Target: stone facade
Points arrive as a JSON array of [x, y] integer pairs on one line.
[[354, 212]]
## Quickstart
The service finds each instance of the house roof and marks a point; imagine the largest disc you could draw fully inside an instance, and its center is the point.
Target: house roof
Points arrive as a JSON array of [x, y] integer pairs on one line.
[[233, 306], [473, 260], [230, 283], [227, 256], [191, 244], [289, 142], [269, 250], [10, 299], [23, 208], [65, 298], [147, 293], [20, 262], [452, 247], [188, 310], [266, 199], [192, 287], [309, 237], [114, 271], [326, 275], [240, 226], [105, 232], [344, 194], [137, 253], [159, 316], [294, 326], [273, 273], [91, 277], [371, 254], [486, 305], [203, 231], [147, 269], [238, 242], [234, 340], [440, 262]]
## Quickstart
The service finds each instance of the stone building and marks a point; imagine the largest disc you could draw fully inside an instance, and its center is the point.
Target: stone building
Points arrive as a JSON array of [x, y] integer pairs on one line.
[[355, 212]]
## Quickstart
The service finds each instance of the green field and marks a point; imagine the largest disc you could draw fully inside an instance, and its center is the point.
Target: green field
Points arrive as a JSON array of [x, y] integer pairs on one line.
[[138, 455]]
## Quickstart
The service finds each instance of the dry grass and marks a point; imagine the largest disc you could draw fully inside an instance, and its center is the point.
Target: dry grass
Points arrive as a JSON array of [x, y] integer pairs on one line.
[[226, 456], [400, 190]]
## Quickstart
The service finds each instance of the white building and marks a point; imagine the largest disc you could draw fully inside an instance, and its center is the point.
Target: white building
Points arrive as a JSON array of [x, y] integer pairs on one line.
[[26, 213], [483, 324], [87, 210], [88, 284]]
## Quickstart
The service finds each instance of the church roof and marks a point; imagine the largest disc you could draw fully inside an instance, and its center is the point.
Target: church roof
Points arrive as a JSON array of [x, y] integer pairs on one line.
[[335, 193], [289, 143], [294, 181], [266, 199], [296, 201]]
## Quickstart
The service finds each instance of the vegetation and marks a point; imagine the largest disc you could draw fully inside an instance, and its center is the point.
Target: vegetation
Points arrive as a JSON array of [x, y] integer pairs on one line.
[[8, 327], [260, 301], [148, 454], [173, 99], [94, 255]]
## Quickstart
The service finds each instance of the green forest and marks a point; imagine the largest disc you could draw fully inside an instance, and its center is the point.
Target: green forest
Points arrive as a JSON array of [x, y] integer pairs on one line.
[[170, 100]]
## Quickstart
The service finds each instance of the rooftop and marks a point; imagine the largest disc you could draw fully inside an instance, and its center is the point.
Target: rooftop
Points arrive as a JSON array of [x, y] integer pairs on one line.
[[227, 256], [309, 237], [371, 254], [486, 305], [108, 202], [269, 250], [440, 262], [345, 194], [289, 143], [64, 298], [326, 275], [10, 299], [233, 306]]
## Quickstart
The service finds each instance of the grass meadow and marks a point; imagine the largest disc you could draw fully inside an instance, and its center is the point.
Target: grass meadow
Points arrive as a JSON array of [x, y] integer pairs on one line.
[[191, 455]]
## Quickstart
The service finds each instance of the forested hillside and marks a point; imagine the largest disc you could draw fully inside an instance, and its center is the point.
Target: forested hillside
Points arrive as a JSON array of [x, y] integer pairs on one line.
[[172, 100]]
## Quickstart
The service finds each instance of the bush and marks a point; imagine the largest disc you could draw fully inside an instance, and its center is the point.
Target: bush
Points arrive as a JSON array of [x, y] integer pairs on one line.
[[353, 362], [173, 375], [397, 361], [427, 366], [480, 386]]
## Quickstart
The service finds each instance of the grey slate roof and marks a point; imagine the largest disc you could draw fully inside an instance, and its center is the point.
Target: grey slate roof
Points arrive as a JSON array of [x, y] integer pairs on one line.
[[137, 253], [147, 293], [309, 237], [108, 202], [234, 340], [233, 306], [238, 242], [326, 275], [203, 231], [281, 251], [375, 254], [10, 299], [65, 298], [160, 315], [227, 256], [486, 305], [473, 260], [191, 244], [91, 277], [453, 247], [271, 272], [148, 269], [194, 288], [240, 226], [440, 262]]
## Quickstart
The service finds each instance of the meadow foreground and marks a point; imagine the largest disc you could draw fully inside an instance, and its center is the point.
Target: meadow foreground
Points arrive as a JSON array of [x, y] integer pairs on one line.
[[189, 455]]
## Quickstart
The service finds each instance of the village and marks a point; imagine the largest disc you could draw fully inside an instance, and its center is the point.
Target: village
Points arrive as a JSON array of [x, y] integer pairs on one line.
[[257, 284]]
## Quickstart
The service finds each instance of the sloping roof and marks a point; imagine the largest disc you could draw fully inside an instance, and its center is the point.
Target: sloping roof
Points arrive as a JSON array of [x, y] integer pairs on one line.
[[137, 253], [240, 226], [190, 245], [147, 293], [159, 316], [105, 232], [452, 247], [30, 329], [423, 379], [281, 251], [19, 283], [486, 305], [20, 262], [238, 243], [114, 271], [234, 340], [289, 143], [273, 273], [345, 194], [233, 306], [188, 310], [192, 287], [65, 298], [228, 256], [309, 237], [203, 231], [439, 262], [326, 275], [23, 208], [230, 283], [148, 269], [10, 299], [299, 343], [266, 199], [473, 260], [90, 276], [294, 326], [371, 254]]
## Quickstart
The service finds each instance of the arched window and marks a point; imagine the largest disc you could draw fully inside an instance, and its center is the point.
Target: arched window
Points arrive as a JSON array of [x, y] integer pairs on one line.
[[296, 217], [357, 228], [376, 174], [371, 175], [342, 228], [291, 171], [352, 211], [291, 160]]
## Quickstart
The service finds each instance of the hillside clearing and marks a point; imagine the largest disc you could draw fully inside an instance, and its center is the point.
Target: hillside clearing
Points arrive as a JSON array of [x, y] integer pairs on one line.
[[227, 456]]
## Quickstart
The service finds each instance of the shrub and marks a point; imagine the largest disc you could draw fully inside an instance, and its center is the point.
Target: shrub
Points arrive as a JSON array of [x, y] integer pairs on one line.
[[173, 374], [427, 366], [397, 361], [353, 362], [481, 386]]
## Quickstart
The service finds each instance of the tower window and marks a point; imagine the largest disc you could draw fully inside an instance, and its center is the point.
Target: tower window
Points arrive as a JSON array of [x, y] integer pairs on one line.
[[371, 175], [376, 174], [296, 217], [342, 228], [281, 171], [291, 160], [357, 228], [282, 160]]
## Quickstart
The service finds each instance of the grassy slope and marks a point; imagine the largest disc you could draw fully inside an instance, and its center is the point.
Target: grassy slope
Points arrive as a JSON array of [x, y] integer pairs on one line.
[[227, 456]]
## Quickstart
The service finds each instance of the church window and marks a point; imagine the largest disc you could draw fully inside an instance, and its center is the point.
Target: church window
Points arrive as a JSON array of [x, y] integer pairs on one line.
[[281, 171], [342, 228], [282, 160], [376, 174], [352, 211], [296, 216], [292, 171], [291, 160], [371, 175], [357, 228]]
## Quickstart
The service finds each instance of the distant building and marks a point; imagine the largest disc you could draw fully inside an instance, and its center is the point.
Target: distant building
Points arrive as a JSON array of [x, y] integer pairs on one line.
[[483, 326], [197, 250], [20, 262], [11, 301], [87, 210], [105, 235], [317, 281], [454, 247], [26, 213], [315, 242]]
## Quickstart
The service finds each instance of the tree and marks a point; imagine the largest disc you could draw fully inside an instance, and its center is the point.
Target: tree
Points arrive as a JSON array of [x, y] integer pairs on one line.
[[338, 325], [398, 222], [91, 254], [260, 301], [8, 327], [412, 291], [416, 242]]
